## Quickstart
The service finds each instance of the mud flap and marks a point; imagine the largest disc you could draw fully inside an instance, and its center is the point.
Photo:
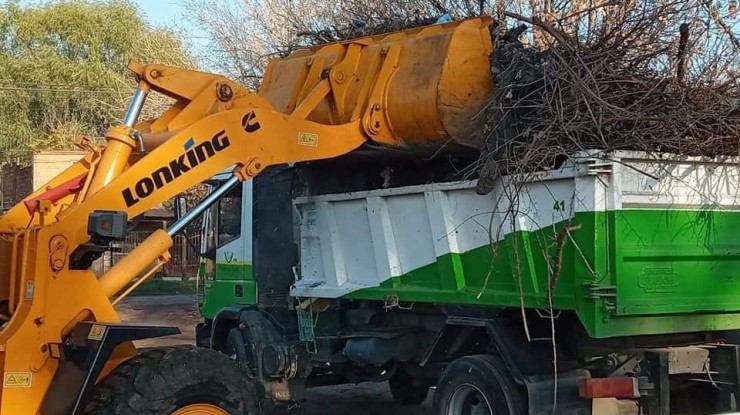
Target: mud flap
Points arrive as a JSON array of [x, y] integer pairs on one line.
[[541, 389], [82, 358]]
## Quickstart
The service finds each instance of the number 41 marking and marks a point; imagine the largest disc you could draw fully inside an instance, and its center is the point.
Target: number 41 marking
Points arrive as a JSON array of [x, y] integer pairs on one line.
[[559, 205]]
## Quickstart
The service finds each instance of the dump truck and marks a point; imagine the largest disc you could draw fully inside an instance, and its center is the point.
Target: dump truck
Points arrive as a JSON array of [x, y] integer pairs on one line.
[[604, 285]]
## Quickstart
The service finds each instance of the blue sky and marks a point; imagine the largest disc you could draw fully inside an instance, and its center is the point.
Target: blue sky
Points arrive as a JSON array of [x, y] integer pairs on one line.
[[162, 12], [173, 14]]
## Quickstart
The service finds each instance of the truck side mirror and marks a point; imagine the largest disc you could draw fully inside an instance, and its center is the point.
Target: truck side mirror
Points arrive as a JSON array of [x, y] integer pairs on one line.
[[209, 254]]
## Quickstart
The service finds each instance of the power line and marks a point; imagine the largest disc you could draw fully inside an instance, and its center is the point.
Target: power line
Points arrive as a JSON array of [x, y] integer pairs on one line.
[[10, 82], [43, 89]]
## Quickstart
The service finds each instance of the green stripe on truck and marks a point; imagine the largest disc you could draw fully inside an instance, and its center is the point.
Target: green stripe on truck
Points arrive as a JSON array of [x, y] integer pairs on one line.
[[625, 272]]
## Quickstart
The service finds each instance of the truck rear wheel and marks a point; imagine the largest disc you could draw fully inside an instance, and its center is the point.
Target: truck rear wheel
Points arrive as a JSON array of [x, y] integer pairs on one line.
[[177, 381], [478, 385]]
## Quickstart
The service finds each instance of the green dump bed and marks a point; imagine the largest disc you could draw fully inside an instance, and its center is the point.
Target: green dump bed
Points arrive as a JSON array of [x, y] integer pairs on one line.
[[633, 243]]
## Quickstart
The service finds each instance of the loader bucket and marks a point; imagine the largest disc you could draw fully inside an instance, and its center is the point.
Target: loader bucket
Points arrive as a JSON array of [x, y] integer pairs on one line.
[[416, 88]]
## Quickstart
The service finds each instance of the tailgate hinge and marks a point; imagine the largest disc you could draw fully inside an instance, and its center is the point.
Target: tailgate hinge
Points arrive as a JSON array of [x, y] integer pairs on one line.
[[607, 293]]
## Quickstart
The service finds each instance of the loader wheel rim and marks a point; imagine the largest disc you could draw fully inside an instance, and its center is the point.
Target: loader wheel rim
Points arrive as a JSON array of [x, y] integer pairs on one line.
[[200, 409], [468, 399]]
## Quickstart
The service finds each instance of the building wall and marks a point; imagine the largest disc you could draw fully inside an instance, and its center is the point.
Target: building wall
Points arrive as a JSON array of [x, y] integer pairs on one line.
[[19, 179], [48, 164]]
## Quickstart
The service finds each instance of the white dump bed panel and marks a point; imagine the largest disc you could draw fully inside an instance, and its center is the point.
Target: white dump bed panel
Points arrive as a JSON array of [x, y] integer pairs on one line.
[[358, 240]]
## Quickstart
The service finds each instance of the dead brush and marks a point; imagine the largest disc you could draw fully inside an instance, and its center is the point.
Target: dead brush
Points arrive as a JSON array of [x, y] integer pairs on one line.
[[659, 77]]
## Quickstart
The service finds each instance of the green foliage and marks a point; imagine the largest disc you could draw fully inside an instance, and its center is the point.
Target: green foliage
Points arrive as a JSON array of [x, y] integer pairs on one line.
[[63, 69]]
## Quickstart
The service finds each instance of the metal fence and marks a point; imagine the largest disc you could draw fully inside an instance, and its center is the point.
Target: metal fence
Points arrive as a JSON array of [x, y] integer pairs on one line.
[[184, 262]]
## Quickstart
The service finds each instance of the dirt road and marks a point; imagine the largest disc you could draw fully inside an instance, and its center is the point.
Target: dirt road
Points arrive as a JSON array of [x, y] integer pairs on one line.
[[182, 311], [166, 310]]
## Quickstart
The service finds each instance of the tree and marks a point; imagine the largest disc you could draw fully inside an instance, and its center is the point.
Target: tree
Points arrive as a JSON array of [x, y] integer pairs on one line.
[[63, 69]]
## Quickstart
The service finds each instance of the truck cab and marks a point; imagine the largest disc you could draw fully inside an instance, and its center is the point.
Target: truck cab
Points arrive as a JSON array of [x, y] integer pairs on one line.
[[225, 275], [254, 218]]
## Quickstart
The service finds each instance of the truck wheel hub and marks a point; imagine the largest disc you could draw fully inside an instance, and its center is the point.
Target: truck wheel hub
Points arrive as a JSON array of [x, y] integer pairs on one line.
[[467, 399]]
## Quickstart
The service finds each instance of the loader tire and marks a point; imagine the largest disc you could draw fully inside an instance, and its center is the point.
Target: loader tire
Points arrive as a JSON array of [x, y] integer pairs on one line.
[[177, 380]]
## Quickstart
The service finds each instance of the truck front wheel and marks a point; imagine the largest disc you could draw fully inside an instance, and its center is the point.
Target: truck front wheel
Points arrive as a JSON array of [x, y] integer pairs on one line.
[[478, 385], [235, 347], [177, 381]]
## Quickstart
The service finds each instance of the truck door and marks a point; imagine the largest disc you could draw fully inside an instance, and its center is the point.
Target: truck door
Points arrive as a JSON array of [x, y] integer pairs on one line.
[[227, 255]]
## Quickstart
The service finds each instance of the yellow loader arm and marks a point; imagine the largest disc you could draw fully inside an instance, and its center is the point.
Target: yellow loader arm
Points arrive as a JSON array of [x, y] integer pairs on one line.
[[315, 104], [249, 135]]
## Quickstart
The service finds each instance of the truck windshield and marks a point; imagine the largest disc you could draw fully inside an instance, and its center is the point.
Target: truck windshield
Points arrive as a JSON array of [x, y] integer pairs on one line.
[[224, 220]]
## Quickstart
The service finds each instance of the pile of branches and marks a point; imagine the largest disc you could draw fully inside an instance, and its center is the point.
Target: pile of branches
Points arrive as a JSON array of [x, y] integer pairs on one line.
[[653, 76], [360, 28], [360, 18]]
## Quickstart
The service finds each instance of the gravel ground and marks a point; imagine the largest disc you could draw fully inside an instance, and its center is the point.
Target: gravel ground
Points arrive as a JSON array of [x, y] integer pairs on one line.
[[182, 311]]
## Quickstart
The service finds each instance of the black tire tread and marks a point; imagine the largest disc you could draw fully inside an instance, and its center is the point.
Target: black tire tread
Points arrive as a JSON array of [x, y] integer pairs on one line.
[[147, 384]]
